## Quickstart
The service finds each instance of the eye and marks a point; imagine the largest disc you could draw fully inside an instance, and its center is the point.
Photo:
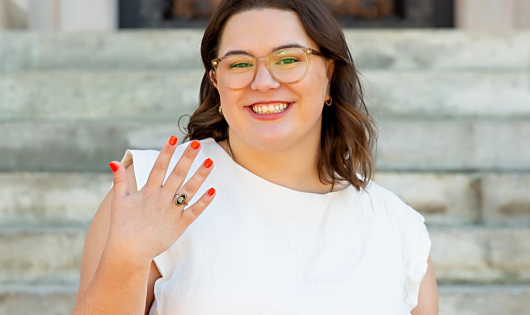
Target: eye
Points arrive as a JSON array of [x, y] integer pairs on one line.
[[241, 65], [287, 61]]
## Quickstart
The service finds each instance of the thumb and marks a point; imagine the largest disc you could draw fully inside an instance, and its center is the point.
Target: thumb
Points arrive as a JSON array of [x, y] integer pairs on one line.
[[119, 179]]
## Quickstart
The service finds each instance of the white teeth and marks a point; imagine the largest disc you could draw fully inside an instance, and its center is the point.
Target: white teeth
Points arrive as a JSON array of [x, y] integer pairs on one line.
[[270, 108]]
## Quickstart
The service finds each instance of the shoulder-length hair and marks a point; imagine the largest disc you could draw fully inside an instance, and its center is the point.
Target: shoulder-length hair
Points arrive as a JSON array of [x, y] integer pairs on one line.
[[348, 132]]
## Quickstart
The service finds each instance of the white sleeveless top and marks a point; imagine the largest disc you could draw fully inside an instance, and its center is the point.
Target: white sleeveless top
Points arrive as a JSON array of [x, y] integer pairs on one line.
[[263, 249]]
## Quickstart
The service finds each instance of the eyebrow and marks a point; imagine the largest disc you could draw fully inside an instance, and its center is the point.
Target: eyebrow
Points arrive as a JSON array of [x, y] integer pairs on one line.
[[244, 52]]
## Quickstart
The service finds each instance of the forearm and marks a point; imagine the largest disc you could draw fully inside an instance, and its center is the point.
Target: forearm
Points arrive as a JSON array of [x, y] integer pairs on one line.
[[119, 286]]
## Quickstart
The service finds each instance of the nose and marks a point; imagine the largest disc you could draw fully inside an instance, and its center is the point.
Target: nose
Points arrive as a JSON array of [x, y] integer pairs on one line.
[[264, 80]]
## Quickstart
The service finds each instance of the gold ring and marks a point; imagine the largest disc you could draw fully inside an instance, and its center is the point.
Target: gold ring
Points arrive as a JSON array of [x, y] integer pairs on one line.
[[180, 200]]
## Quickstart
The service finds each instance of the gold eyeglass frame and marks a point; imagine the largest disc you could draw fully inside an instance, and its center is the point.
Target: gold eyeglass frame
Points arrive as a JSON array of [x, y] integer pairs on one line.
[[307, 52]]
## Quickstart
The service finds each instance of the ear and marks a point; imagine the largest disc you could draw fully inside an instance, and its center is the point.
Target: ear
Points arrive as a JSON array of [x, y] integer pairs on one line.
[[213, 77], [329, 74]]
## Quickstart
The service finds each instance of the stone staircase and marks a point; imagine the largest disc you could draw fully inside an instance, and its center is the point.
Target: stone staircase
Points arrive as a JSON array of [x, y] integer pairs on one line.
[[454, 116]]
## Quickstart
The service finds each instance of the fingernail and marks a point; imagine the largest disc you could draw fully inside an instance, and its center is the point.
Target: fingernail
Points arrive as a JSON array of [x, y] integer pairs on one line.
[[211, 191], [208, 163], [173, 140], [113, 167], [195, 144]]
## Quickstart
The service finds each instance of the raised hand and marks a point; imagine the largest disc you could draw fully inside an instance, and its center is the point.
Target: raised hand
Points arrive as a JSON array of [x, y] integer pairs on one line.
[[146, 223]]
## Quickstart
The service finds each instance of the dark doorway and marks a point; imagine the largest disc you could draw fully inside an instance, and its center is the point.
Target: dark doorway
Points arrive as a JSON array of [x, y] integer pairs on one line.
[[349, 13]]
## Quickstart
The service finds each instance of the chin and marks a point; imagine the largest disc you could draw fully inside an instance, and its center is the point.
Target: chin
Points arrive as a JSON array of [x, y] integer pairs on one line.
[[270, 139]]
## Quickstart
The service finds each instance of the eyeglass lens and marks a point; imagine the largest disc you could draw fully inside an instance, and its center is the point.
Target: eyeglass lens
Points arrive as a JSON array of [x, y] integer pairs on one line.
[[286, 66]]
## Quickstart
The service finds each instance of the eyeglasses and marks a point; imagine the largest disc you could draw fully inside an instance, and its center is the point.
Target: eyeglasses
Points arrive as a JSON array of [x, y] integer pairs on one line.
[[236, 72]]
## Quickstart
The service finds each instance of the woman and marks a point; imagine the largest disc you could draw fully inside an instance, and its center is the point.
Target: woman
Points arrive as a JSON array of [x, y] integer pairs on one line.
[[291, 228]]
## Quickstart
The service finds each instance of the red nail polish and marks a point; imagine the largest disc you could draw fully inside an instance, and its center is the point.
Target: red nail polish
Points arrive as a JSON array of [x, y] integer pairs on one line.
[[195, 144], [208, 163], [113, 166], [211, 191], [173, 140]]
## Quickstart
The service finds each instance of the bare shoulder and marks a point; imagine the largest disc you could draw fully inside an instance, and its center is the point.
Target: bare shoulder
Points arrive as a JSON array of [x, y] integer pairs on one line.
[[97, 237]]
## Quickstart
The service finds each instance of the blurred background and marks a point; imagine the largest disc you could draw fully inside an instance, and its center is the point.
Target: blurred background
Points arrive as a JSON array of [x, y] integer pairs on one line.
[[448, 81]]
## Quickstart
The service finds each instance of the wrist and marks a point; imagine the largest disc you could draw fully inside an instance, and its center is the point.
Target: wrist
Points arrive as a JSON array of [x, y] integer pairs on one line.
[[125, 255]]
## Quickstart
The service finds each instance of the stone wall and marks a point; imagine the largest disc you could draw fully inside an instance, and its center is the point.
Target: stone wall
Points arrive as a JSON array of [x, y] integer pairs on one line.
[[493, 14], [59, 15]]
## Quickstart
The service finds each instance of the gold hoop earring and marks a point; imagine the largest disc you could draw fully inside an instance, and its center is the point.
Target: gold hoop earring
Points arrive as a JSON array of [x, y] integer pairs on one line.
[[220, 110], [330, 101]]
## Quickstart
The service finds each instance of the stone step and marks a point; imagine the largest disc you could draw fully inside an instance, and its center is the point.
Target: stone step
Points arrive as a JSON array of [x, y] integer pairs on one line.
[[155, 95], [463, 255], [470, 255], [98, 95], [37, 299], [372, 49], [455, 95], [454, 145], [484, 300], [453, 299], [51, 199], [455, 199], [404, 145], [41, 255]]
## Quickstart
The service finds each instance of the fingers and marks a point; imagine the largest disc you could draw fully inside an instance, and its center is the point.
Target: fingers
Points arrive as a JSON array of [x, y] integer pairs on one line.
[[181, 169], [193, 184], [187, 217], [119, 180], [158, 173]]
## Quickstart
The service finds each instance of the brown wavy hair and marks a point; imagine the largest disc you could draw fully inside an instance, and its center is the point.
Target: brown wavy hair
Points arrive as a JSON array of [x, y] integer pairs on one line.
[[348, 135]]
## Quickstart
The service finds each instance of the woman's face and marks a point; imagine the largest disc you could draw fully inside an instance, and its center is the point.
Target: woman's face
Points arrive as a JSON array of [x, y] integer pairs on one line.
[[259, 33]]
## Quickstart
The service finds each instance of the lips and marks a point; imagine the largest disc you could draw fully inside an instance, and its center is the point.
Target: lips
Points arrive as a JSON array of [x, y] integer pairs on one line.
[[269, 110]]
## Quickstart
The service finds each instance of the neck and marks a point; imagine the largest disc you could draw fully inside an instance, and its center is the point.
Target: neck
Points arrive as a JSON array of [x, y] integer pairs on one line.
[[292, 165]]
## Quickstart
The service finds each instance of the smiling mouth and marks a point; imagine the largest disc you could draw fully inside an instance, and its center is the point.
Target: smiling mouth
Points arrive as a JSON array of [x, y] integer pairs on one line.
[[270, 108]]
